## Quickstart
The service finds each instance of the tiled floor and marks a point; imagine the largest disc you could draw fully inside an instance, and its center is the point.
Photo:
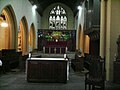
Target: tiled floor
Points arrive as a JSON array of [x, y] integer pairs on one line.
[[16, 81]]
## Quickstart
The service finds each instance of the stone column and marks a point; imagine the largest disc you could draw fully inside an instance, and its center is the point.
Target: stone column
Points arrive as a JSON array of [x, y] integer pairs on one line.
[[103, 37], [103, 28]]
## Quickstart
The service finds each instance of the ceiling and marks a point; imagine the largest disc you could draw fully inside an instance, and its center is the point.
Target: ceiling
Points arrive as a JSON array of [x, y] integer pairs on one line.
[[42, 4]]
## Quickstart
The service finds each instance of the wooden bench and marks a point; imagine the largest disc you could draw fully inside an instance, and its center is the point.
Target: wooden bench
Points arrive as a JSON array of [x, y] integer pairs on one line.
[[10, 59]]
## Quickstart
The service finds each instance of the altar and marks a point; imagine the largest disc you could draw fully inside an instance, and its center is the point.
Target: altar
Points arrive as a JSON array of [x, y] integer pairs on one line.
[[56, 41], [47, 70]]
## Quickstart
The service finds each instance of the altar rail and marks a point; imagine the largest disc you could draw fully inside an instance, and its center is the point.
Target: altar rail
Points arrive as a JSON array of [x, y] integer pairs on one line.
[[55, 50]]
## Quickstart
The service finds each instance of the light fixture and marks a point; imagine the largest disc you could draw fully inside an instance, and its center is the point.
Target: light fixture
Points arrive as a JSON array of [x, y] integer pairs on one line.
[[3, 22], [79, 7], [34, 6], [56, 40]]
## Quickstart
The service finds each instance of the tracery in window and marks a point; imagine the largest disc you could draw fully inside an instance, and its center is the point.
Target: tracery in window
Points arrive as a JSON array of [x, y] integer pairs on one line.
[[58, 18]]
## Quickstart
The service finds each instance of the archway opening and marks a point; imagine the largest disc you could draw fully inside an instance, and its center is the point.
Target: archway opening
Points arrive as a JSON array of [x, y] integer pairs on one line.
[[32, 38], [79, 37], [23, 37], [8, 34], [86, 44]]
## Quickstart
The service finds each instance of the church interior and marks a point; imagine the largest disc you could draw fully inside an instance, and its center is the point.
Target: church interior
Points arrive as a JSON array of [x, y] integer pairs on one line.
[[59, 44]]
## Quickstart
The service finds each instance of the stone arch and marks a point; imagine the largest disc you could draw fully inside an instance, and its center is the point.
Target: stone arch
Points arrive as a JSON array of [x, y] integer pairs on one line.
[[23, 36], [8, 35], [32, 38], [79, 36]]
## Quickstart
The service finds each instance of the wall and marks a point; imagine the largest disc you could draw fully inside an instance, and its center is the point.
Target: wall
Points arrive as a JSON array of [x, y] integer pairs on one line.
[[45, 16], [112, 31], [23, 8]]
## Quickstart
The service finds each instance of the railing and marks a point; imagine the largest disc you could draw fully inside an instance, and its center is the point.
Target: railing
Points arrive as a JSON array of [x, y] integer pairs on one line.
[[55, 50]]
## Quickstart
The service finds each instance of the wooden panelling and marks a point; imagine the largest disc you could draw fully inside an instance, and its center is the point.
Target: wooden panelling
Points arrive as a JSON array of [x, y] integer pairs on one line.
[[47, 71]]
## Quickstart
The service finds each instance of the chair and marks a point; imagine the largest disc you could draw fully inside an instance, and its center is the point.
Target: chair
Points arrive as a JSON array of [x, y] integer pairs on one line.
[[96, 75], [78, 63], [87, 60]]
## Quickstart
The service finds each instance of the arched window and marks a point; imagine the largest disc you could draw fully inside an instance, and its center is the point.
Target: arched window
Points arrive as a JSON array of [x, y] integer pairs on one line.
[[58, 18]]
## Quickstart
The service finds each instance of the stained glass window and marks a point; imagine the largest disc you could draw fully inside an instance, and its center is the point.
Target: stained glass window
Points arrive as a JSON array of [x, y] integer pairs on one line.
[[58, 18]]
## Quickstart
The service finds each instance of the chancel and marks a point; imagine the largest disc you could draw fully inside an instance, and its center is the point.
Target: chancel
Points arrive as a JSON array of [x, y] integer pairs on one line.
[[59, 44]]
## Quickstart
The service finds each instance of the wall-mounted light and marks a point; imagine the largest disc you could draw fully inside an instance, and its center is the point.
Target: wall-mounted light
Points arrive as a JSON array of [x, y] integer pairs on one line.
[[34, 6], [3, 22], [80, 10], [79, 7]]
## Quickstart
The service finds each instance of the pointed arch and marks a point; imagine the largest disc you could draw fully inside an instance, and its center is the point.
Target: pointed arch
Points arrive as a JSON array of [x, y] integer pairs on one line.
[[86, 44], [8, 35], [32, 38], [79, 37], [23, 36]]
